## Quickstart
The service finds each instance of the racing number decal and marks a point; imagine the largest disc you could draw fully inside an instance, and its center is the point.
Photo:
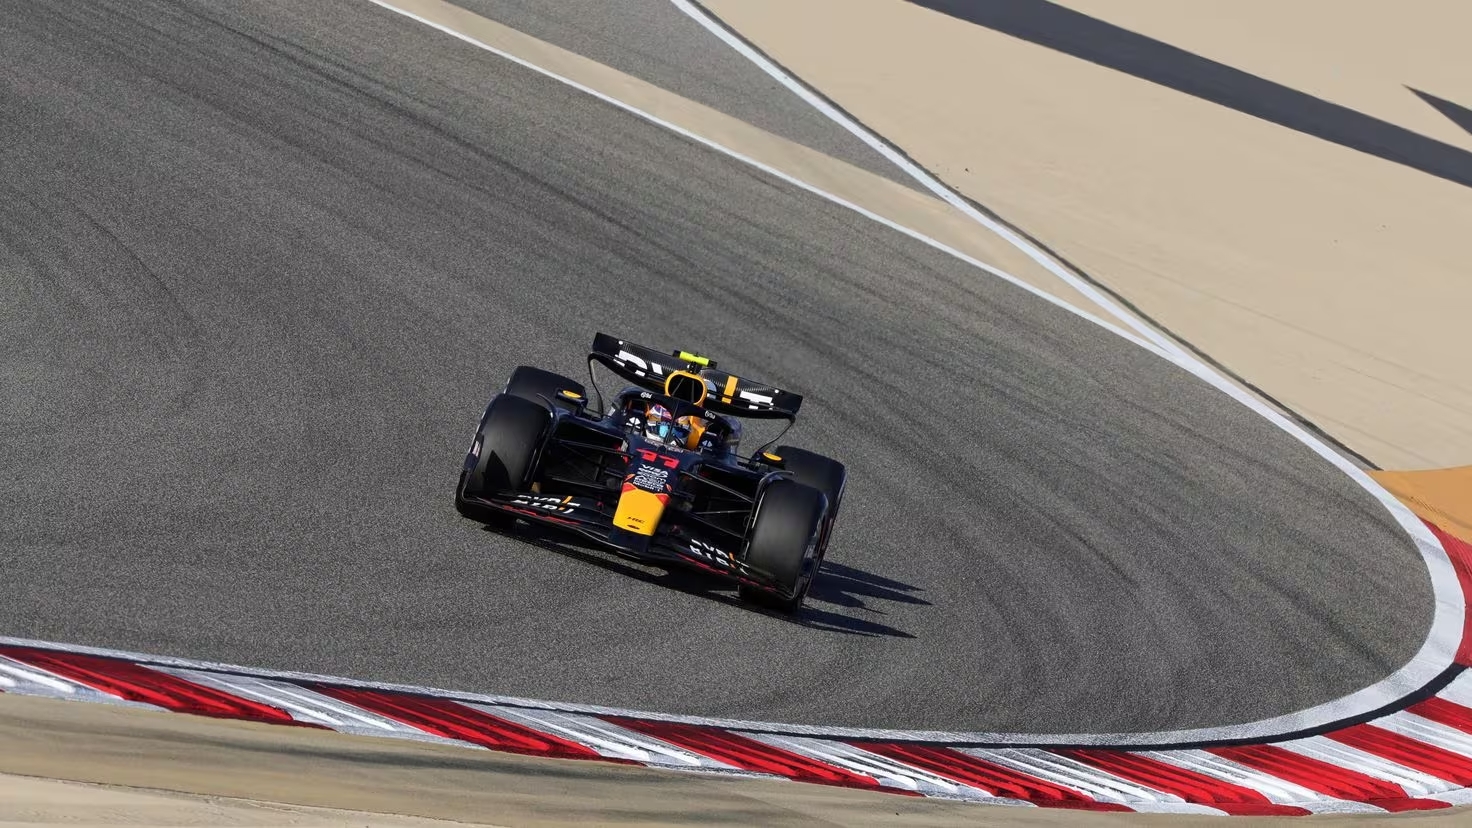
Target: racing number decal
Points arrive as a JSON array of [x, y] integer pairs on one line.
[[652, 457]]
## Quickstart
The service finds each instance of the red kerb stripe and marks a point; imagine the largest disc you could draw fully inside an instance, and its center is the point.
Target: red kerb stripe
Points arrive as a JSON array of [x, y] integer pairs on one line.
[[1325, 778], [749, 754], [453, 720], [1403, 750], [995, 779], [1190, 785], [1444, 712], [140, 684]]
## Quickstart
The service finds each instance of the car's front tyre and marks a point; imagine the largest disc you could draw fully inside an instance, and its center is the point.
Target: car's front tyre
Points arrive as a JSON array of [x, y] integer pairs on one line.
[[545, 387], [502, 457]]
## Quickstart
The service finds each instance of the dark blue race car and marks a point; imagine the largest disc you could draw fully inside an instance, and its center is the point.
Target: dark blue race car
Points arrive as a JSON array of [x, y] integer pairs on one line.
[[658, 474]]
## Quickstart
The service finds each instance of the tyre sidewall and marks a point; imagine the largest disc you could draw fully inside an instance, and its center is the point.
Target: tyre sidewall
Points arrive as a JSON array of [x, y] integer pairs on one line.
[[783, 540], [822, 473], [510, 439]]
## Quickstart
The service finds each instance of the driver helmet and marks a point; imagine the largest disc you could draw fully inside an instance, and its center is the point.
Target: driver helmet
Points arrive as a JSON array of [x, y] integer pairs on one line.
[[660, 426]]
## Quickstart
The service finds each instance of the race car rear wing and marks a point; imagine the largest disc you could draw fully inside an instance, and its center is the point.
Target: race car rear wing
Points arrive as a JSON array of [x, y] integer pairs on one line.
[[725, 393]]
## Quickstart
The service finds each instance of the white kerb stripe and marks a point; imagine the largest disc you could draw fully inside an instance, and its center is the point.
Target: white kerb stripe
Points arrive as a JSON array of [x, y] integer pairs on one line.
[[307, 706], [1425, 730], [1413, 782], [28, 680], [606, 738], [1086, 779], [1460, 689], [1271, 787], [889, 772], [1461, 796], [22, 679]]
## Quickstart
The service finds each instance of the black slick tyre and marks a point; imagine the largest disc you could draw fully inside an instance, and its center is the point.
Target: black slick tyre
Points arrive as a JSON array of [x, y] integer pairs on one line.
[[783, 544], [544, 387], [509, 437], [822, 473], [812, 469]]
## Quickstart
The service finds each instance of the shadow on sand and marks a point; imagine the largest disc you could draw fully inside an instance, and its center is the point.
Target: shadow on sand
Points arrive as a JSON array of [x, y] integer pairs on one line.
[[1088, 38]]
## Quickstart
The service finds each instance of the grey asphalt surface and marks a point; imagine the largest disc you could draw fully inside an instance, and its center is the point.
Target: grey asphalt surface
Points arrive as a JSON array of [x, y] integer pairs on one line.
[[261, 266], [656, 42]]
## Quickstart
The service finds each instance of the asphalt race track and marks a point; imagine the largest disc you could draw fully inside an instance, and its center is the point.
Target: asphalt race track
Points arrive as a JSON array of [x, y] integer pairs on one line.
[[655, 41], [261, 267]]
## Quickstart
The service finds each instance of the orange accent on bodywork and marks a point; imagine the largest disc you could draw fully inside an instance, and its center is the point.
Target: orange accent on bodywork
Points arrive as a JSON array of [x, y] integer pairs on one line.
[[639, 511], [699, 380], [696, 426]]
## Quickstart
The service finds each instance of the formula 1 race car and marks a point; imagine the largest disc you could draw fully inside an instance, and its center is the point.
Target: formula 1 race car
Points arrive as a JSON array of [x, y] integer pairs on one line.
[[657, 476]]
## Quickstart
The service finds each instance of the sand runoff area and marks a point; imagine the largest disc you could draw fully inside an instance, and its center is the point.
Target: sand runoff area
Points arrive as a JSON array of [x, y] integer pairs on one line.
[[1252, 226]]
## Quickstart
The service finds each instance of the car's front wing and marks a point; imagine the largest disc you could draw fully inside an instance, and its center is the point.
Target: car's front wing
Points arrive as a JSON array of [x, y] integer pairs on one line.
[[594, 521]]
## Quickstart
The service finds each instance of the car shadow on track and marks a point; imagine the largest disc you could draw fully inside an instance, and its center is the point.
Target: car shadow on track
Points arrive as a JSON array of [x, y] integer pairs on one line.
[[848, 588]]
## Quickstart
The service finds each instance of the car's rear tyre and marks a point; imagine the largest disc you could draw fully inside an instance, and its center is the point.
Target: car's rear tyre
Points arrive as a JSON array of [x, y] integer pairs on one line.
[[783, 544], [822, 473], [507, 442], [544, 387], [812, 469]]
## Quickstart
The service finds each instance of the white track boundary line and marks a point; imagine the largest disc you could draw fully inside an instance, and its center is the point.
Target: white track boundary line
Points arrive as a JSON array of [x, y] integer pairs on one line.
[[920, 174], [1435, 656]]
